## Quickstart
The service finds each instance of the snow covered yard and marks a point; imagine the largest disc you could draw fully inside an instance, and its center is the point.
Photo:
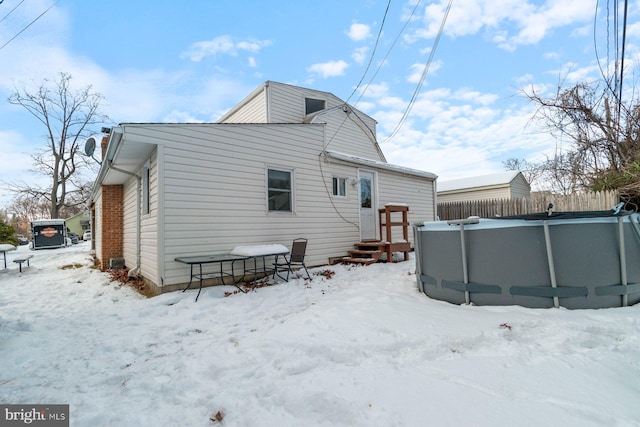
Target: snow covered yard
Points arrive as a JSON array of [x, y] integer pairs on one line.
[[360, 348]]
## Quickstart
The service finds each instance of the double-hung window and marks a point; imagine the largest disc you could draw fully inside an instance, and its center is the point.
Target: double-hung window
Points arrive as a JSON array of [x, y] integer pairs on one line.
[[280, 190]]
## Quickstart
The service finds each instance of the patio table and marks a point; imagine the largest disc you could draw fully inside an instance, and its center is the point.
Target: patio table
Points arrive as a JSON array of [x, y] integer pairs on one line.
[[4, 249], [239, 253], [201, 260]]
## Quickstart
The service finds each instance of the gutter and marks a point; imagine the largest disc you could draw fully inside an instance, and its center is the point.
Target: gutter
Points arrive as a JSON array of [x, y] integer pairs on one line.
[[134, 272], [115, 137], [377, 164], [113, 146]]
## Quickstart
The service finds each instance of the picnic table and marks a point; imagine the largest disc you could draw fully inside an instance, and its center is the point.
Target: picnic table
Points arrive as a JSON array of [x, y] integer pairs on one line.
[[225, 264], [4, 248]]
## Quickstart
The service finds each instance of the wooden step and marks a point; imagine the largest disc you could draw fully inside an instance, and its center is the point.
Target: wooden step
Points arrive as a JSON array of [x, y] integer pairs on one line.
[[377, 245], [365, 252], [353, 260]]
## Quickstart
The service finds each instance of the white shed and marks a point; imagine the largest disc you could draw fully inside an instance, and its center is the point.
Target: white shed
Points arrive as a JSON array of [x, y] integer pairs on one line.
[[501, 185]]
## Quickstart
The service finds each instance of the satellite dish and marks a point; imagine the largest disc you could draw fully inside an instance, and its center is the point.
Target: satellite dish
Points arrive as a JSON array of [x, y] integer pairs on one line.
[[90, 146]]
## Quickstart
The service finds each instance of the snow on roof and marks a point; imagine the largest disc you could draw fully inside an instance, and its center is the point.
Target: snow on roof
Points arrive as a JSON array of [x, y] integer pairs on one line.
[[499, 178], [380, 165]]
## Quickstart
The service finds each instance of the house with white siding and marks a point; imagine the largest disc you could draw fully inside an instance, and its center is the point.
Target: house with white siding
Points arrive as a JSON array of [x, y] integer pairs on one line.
[[501, 185], [286, 162]]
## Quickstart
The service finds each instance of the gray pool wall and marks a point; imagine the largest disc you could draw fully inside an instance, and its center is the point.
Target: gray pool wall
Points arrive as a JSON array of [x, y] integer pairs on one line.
[[508, 262]]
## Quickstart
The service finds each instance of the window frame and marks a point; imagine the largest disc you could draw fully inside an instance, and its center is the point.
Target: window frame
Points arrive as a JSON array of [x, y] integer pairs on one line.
[[146, 188], [315, 102], [336, 182], [289, 171]]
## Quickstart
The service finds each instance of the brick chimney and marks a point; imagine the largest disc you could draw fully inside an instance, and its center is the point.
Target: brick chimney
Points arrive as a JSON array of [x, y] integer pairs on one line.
[[112, 230], [103, 145]]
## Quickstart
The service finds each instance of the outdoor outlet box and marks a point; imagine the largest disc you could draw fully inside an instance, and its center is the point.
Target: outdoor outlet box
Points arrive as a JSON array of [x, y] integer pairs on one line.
[[116, 263]]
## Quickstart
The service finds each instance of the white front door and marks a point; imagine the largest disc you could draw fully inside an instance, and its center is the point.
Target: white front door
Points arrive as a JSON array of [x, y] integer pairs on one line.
[[367, 206]]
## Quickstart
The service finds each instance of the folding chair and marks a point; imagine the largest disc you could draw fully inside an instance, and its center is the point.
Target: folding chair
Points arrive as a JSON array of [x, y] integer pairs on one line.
[[295, 258]]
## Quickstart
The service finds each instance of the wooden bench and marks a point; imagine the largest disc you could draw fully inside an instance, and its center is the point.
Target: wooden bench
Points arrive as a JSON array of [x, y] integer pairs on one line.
[[24, 258]]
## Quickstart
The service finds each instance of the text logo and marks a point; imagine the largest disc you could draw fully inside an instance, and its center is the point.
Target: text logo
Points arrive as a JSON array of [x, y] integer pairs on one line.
[[34, 415], [49, 232]]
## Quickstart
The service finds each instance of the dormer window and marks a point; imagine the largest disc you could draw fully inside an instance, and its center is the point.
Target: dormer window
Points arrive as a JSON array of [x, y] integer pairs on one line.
[[312, 105]]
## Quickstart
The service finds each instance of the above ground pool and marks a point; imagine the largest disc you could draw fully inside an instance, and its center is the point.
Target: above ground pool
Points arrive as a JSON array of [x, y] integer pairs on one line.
[[564, 259]]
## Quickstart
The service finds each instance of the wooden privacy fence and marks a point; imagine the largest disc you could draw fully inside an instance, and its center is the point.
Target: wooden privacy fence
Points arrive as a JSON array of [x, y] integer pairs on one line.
[[595, 201]]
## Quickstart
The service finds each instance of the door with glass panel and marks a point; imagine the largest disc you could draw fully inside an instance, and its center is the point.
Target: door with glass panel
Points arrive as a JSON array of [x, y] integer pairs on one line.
[[367, 206]]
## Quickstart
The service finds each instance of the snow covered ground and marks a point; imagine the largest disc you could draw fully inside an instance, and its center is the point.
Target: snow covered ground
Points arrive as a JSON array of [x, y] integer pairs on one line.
[[360, 348]]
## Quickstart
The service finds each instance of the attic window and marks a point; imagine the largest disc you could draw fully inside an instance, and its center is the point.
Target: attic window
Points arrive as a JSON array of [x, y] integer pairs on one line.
[[312, 105]]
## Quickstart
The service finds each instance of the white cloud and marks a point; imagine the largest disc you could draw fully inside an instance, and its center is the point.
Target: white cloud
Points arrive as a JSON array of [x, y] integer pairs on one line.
[[329, 69], [359, 55], [175, 116], [508, 23], [475, 97], [223, 45], [418, 69], [377, 90], [455, 133], [359, 32]]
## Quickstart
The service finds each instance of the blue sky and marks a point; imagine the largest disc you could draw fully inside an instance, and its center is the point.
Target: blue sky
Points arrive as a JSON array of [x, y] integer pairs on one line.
[[157, 61]]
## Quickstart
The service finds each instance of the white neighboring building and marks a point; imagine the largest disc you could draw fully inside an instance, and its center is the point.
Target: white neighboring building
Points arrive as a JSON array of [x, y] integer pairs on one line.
[[286, 162], [502, 185]]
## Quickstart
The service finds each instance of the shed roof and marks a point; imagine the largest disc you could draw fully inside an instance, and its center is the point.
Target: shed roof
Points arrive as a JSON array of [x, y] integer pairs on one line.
[[490, 180], [379, 165]]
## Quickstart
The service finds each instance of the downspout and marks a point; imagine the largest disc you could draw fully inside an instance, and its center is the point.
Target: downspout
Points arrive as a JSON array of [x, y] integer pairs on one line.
[[136, 270]]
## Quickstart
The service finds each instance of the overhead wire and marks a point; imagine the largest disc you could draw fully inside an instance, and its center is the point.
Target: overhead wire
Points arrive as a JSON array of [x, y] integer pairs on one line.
[[384, 59], [30, 24], [11, 11], [348, 110], [624, 37], [423, 75], [373, 52]]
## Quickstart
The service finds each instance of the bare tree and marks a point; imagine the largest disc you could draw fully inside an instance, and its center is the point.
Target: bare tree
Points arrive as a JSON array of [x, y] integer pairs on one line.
[[67, 116], [603, 134]]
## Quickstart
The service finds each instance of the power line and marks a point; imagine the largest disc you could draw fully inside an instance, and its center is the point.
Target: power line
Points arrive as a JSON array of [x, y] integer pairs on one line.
[[389, 51], [375, 47], [423, 76], [30, 23], [624, 37], [11, 11]]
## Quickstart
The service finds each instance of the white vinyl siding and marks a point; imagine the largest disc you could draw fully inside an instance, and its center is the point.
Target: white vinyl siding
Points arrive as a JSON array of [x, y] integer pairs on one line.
[[416, 193], [348, 136], [149, 233], [352, 133], [253, 111], [130, 220], [97, 231], [520, 188], [215, 191]]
